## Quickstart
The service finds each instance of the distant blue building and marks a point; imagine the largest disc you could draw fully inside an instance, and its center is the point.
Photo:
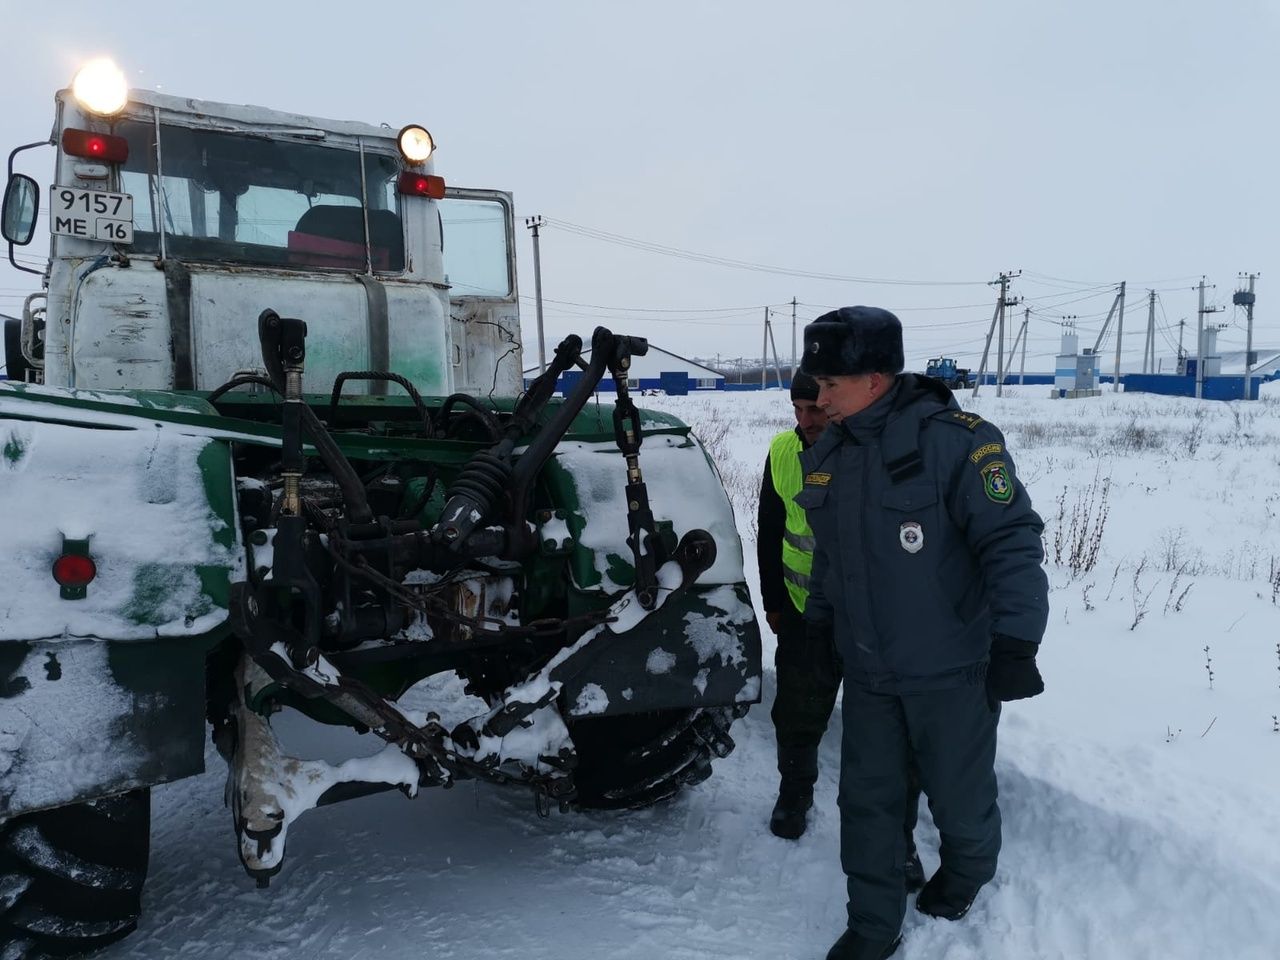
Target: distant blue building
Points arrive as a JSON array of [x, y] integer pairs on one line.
[[657, 370]]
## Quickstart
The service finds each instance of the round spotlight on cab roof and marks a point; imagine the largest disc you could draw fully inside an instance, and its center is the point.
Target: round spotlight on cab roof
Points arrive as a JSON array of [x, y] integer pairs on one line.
[[100, 87], [416, 144]]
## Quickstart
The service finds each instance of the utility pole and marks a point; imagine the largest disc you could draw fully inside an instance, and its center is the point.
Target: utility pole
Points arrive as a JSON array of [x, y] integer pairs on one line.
[[997, 317], [1119, 340], [535, 224], [793, 338], [1000, 347], [1200, 343], [777, 369], [764, 350], [1200, 358], [1022, 370], [1149, 345], [1246, 298], [1118, 302], [982, 366], [1022, 329]]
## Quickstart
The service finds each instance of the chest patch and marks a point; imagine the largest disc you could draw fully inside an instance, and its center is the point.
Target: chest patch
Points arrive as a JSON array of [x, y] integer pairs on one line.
[[996, 483], [911, 536], [817, 479]]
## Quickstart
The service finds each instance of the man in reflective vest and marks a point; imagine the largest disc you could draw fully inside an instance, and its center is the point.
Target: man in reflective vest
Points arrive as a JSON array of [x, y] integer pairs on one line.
[[808, 672]]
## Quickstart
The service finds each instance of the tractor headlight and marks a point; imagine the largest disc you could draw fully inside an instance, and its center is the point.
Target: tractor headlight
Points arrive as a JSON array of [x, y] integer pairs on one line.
[[416, 144], [100, 88]]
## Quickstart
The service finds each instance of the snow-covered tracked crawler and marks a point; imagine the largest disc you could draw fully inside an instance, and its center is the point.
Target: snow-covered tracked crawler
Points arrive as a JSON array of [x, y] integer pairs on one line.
[[71, 878], [639, 760]]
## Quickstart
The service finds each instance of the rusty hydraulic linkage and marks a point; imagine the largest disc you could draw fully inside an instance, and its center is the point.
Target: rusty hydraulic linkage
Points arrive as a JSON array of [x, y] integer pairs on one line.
[[650, 547]]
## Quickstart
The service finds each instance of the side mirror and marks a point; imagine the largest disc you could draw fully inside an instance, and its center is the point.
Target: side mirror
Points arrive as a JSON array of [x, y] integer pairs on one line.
[[18, 215]]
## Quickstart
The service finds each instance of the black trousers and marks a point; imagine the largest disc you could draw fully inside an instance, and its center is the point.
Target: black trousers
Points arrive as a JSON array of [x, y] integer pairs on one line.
[[951, 736], [809, 676]]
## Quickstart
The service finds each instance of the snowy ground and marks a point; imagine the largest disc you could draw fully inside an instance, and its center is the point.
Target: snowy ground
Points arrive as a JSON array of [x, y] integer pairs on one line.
[[1139, 792]]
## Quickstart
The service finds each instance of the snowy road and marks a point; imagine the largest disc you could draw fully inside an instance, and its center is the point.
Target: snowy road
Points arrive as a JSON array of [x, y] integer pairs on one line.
[[474, 873], [1126, 836]]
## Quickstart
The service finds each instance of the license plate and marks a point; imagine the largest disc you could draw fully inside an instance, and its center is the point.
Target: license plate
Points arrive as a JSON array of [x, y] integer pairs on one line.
[[91, 214]]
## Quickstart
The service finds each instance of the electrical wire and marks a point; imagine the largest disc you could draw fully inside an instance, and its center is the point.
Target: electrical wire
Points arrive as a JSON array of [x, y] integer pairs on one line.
[[680, 253]]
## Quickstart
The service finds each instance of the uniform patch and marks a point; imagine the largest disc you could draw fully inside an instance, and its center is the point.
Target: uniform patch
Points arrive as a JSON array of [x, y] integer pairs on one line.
[[996, 482], [970, 420], [986, 450], [817, 479], [911, 536]]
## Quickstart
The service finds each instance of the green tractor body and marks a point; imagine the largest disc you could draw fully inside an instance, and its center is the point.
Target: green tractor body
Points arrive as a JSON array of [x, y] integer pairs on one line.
[[216, 513]]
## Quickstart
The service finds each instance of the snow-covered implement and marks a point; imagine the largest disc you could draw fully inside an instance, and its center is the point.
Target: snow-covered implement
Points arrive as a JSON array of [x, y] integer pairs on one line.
[[216, 510]]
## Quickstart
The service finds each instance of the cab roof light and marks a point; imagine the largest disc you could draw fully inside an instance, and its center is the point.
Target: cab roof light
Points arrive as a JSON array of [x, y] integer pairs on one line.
[[415, 143], [100, 87], [95, 146], [421, 185]]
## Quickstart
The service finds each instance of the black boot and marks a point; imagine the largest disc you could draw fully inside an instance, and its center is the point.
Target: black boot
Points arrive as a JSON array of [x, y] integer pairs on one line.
[[854, 946], [947, 896], [913, 871], [798, 767], [789, 817]]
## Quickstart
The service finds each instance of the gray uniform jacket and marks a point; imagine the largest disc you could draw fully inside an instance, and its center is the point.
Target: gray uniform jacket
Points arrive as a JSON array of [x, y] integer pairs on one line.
[[927, 542]]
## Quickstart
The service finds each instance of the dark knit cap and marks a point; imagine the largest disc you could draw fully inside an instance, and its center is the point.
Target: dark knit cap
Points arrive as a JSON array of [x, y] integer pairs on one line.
[[803, 387], [852, 341]]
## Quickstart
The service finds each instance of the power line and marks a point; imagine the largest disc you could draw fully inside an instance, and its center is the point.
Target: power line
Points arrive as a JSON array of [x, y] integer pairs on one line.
[[1136, 283], [598, 306], [669, 251]]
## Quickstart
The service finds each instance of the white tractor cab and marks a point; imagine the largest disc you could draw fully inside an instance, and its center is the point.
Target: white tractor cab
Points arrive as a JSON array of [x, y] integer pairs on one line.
[[173, 223]]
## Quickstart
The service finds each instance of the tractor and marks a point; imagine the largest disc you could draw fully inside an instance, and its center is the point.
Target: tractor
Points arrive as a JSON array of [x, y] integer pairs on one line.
[[945, 369], [270, 450]]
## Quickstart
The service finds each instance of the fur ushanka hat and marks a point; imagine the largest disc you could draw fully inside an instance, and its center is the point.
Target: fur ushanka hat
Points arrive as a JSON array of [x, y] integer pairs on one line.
[[852, 341]]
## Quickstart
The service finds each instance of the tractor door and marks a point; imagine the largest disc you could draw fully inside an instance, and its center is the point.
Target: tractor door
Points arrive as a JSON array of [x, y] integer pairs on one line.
[[478, 236]]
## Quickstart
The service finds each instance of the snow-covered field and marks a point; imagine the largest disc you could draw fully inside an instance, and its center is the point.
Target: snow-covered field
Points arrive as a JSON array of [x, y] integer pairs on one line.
[[1140, 792]]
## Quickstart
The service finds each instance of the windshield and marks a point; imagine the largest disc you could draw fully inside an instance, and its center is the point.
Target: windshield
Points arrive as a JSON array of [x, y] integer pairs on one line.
[[234, 197]]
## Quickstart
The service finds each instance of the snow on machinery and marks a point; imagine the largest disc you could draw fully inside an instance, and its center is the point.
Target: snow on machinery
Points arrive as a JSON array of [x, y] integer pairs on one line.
[[219, 510]]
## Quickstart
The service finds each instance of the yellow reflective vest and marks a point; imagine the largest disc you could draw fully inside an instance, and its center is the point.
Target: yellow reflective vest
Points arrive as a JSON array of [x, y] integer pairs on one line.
[[797, 538]]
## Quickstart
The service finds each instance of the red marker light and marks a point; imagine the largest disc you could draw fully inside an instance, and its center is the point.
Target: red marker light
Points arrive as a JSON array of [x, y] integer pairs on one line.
[[420, 185], [95, 146], [74, 570]]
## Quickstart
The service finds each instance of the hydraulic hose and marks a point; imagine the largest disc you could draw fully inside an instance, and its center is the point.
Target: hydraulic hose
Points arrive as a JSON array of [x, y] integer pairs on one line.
[[408, 386], [486, 417], [358, 510]]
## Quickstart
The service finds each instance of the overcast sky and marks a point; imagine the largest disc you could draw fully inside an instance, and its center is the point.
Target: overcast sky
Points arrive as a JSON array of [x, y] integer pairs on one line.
[[1083, 142]]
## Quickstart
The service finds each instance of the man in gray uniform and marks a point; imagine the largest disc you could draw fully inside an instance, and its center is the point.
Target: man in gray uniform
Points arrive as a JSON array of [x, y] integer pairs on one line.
[[927, 568]]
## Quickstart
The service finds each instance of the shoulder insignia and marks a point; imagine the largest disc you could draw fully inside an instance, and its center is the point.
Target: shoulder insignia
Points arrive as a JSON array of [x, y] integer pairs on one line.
[[817, 479], [970, 420], [996, 483], [986, 450]]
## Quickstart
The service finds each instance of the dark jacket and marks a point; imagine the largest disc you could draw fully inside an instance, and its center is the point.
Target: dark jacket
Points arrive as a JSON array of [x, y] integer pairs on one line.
[[927, 542], [771, 521]]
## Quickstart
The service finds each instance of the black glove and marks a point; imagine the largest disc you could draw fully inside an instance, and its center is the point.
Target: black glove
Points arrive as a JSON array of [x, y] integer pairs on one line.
[[1012, 673]]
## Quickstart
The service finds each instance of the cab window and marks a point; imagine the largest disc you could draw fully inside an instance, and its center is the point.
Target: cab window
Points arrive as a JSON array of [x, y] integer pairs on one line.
[[476, 254], [232, 197]]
